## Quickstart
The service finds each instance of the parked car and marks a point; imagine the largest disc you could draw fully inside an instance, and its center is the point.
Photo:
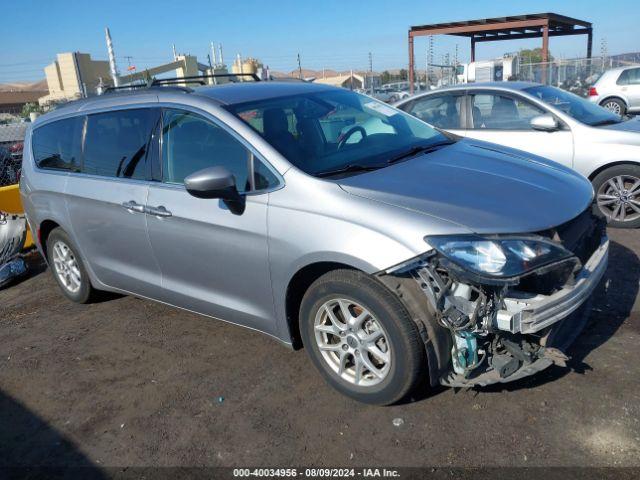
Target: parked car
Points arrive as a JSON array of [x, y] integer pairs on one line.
[[387, 95], [551, 123], [391, 256], [618, 90]]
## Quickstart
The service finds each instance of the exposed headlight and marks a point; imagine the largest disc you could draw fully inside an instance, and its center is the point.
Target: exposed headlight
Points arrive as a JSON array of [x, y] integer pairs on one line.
[[498, 257]]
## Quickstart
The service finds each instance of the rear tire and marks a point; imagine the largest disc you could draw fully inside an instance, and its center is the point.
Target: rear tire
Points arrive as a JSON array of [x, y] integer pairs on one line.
[[615, 105], [68, 268], [618, 195], [377, 355]]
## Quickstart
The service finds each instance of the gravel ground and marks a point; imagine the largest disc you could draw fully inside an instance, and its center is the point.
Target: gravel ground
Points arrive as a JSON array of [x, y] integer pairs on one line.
[[129, 382]]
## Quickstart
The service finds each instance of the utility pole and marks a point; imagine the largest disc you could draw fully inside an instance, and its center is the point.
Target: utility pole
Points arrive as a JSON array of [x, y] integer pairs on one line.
[[371, 72], [603, 52], [429, 61], [455, 66], [299, 68]]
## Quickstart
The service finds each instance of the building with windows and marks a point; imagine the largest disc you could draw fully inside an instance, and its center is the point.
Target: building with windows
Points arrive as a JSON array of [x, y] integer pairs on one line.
[[74, 75]]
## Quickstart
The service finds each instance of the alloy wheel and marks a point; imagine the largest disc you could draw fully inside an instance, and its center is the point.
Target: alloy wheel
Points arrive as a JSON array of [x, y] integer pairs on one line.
[[613, 107], [352, 342], [66, 267], [619, 198]]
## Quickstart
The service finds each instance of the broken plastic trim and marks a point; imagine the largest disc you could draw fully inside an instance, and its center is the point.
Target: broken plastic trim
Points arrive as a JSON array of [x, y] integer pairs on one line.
[[467, 307]]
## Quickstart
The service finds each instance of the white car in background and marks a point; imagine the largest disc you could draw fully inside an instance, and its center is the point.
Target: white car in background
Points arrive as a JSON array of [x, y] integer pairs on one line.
[[618, 90], [551, 123]]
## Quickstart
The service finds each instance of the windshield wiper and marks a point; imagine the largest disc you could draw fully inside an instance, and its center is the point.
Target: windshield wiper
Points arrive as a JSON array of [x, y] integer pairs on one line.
[[413, 151], [354, 167], [348, 169]]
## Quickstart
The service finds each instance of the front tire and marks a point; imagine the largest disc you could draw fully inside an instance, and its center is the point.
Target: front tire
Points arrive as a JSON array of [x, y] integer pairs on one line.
[[618, 195], [361, 338], [68, 268]]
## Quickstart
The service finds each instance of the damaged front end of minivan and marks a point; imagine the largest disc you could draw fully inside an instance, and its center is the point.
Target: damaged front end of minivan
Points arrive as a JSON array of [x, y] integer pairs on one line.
[[496, 308]]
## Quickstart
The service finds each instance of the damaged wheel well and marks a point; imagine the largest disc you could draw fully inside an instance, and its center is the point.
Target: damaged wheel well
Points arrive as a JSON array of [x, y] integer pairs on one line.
[[45, 229], [298, 285]]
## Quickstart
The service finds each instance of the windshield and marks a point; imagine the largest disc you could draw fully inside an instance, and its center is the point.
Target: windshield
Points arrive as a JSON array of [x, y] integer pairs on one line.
[[321, 132], [578, 108]]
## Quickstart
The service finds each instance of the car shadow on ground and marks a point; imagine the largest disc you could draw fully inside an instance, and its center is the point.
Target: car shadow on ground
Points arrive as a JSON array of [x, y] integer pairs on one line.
[[31, 448], [36, 266], [612, 303]]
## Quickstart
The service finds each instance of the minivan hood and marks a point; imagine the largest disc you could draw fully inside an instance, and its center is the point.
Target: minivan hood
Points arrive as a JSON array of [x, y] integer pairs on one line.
[[481, 186]]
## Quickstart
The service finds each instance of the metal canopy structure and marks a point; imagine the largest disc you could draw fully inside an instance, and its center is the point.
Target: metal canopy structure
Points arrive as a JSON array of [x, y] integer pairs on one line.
[[535, 25]]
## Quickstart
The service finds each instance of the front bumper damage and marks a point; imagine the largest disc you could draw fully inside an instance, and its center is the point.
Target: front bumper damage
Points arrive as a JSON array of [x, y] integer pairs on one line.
[[479, 334]]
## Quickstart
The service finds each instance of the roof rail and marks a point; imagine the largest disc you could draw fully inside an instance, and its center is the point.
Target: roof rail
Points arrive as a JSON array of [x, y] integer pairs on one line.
[[129, 88], [201, 78], [287, 79], [124, 87], [171, 82]]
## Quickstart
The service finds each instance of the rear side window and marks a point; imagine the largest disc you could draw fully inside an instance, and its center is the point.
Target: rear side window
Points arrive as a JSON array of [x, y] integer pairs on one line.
[[629, 77], [116, 143], [442, 111], [56, 145]]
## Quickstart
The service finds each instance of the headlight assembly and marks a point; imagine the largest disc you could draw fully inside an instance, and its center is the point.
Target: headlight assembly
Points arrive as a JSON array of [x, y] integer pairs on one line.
[[498, 257]]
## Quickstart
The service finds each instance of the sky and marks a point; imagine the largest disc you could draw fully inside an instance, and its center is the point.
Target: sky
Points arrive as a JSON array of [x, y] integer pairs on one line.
[[335, 34]]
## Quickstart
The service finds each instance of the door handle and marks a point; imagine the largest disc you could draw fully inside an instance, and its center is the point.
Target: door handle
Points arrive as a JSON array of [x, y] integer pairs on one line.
[[132, 206], [158, 211]]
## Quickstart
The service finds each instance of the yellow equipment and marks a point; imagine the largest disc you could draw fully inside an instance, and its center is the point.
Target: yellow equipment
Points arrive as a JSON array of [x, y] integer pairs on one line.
[[10, 203]]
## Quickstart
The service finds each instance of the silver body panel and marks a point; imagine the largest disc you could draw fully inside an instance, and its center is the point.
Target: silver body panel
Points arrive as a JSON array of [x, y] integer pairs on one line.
[[584, 148], [238, 268]]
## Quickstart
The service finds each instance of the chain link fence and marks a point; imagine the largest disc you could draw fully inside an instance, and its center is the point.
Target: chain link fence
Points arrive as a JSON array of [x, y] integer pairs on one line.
[[11, 146], [575, 75], [13, 226]]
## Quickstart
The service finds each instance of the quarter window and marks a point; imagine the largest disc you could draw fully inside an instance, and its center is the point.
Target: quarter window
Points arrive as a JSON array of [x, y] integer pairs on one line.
[[57, 145], [441, 111], [191, 143], [629, 77], [116, 143], [500, 112]]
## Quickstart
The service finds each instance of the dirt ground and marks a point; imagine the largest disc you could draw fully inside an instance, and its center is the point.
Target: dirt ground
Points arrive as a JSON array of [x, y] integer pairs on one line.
[[129, 382]]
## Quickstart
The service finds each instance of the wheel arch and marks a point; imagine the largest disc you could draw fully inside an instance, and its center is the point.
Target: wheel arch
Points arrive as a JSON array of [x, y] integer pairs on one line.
[[297, 287], [606, 166], [44, 230], [616, 97]]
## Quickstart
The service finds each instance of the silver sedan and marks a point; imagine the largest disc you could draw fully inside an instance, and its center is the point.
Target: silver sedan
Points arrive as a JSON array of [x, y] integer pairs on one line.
[[551, 123]]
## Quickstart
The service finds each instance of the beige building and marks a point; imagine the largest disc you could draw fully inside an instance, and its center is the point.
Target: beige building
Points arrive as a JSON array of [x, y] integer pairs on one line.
[[73, 73], [345, 81]]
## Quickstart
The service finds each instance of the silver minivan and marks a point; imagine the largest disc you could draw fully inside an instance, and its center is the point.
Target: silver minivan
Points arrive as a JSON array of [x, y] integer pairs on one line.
[[392, 252]]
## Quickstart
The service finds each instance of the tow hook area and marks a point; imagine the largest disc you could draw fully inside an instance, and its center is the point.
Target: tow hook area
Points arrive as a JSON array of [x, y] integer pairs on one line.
[[481, 351]]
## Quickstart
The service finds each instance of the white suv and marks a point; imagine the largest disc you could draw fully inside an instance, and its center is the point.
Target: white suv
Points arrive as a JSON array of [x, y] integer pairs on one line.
[[618, 90]]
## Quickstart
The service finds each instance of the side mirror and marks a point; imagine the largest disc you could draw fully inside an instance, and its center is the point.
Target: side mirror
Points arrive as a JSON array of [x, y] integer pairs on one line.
[[215, 182], [545, 123]]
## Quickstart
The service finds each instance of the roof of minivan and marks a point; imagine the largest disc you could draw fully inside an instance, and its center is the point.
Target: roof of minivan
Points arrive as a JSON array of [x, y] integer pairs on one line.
[[241, 92], [228, 93]]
